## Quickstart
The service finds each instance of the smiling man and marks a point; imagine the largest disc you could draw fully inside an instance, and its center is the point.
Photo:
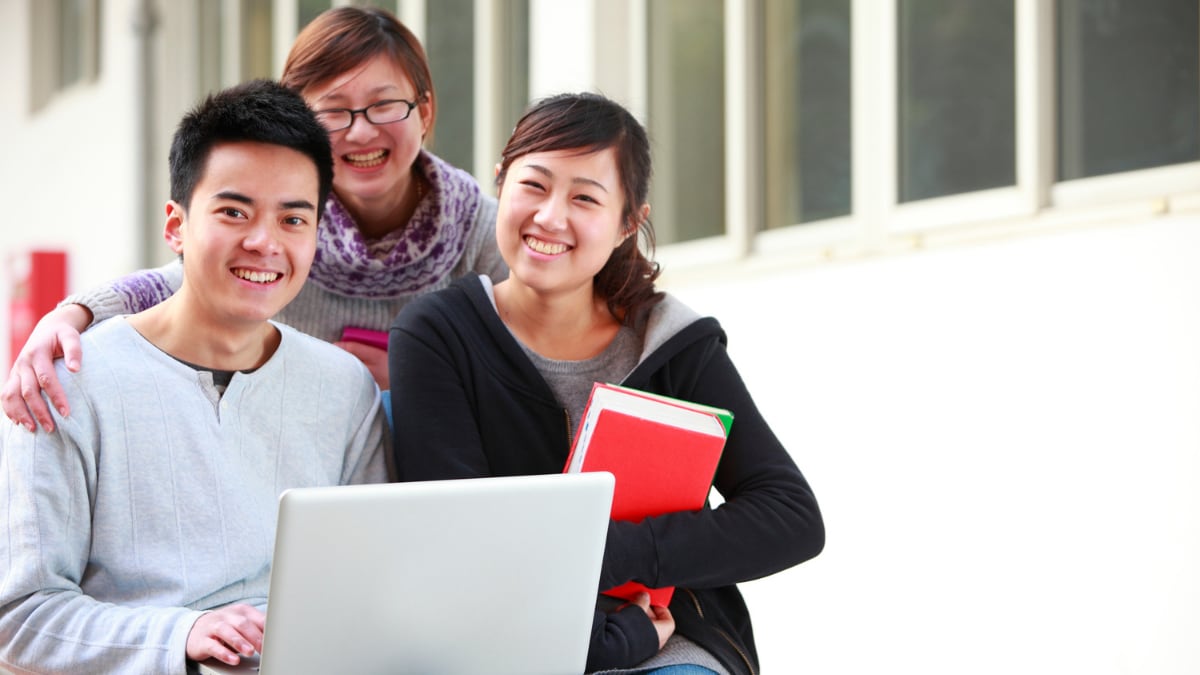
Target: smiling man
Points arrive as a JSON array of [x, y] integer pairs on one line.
[[140, 531]]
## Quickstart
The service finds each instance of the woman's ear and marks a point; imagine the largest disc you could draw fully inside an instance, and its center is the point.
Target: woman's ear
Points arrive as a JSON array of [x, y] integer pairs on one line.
[[638, 219], [644, 214], [173, 228], [425, 108]]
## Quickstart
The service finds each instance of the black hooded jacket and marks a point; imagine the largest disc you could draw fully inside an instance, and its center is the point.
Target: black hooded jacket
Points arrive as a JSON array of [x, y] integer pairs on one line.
[[469, 403]]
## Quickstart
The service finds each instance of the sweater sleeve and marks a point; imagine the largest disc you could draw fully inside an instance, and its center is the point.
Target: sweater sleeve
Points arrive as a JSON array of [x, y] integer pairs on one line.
[[131, 293], [435, 429], [620, 639], [47, 623], [368, 456], [769, 520]]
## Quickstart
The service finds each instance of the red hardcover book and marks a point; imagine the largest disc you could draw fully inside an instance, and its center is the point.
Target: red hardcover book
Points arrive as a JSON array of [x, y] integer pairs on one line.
[[662, 451]]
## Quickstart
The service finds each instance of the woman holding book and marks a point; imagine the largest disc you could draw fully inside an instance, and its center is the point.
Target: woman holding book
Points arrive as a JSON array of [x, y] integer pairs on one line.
[[506, 371]]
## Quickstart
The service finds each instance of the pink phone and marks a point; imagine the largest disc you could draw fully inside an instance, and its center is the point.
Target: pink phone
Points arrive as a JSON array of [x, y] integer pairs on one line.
[[373, 338]]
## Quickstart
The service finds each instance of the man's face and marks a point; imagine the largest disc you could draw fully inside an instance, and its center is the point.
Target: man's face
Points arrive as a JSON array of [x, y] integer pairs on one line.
[[250, 233]]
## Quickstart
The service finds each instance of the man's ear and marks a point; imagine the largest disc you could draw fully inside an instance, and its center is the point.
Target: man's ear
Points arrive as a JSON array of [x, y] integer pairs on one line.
[[173, 228]]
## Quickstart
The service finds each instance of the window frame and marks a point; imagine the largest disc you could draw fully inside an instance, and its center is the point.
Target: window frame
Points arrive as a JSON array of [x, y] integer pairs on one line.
[[48, 42]]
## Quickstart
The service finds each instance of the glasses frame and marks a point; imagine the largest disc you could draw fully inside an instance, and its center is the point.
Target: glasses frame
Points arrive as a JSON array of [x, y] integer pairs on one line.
[[365, 112]]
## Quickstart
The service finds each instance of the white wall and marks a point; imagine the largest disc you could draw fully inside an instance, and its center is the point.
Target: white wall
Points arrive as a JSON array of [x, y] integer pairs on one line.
[[1005, 442], [68, 175]]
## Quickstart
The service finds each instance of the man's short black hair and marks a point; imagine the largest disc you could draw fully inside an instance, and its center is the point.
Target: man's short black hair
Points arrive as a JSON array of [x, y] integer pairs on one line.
[[260, 111]]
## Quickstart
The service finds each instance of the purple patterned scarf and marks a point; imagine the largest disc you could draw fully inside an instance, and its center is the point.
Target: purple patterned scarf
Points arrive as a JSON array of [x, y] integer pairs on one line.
[[408, 259]]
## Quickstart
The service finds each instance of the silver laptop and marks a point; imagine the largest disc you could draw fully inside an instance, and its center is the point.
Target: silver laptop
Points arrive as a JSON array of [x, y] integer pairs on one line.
[[481, 575]]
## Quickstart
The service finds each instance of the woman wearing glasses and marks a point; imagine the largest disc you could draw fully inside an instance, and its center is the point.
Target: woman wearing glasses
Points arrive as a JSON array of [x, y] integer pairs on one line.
[[400, 222]]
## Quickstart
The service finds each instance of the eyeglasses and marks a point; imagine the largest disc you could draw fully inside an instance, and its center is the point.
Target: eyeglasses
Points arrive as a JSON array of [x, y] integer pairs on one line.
[[380, 112]]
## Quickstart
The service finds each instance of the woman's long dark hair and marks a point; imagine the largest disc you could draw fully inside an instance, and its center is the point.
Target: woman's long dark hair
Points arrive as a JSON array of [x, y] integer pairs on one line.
[[591, 123]]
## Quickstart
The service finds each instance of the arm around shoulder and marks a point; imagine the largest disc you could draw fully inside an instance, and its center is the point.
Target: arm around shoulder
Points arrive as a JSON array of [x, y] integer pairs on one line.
[[131, 293]]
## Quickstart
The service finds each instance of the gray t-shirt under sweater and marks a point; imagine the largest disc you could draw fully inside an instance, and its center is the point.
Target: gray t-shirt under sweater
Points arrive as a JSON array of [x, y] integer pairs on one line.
[[571, 382]]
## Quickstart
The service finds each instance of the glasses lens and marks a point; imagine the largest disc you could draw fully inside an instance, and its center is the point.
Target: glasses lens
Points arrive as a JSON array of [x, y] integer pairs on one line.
[[335, 120], [388, 111]]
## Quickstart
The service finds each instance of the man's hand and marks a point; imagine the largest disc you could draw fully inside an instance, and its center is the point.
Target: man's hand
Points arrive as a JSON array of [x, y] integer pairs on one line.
[[226, 634], [56, 335]]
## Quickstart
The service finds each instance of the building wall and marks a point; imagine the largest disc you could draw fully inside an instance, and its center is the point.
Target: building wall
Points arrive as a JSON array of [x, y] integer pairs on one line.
[[70, 172], [1003, 440]]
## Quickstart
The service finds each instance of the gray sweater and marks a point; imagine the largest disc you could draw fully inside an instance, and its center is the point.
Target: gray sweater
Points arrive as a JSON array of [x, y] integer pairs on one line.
[[156, 499]]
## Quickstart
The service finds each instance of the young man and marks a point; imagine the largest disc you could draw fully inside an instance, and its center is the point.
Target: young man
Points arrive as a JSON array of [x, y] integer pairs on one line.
[[139, 533]]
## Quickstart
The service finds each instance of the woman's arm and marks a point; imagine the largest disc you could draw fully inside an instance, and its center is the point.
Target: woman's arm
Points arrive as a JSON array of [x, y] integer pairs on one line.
[[56, 335], [628, 635], [435, 429], [769, 520]]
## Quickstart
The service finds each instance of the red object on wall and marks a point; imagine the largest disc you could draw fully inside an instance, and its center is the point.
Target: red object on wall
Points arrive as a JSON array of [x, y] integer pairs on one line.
[[39, 282]]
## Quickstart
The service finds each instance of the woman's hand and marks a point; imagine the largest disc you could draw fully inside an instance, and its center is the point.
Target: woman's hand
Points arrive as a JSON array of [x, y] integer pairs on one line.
[[374, 358], [226, 634], [661, 617], [55, 335]]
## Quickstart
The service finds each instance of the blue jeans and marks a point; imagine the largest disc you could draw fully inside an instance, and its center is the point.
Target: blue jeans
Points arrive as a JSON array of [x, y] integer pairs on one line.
[[681, 669]]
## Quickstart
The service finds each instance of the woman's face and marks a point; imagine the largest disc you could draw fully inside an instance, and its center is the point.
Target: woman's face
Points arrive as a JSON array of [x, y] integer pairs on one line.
[[560, 218], [372, 160]]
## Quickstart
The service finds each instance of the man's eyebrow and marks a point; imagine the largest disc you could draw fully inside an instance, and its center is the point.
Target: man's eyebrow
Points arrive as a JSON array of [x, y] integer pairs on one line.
[[235, 196], [550, 174], [249, 201]]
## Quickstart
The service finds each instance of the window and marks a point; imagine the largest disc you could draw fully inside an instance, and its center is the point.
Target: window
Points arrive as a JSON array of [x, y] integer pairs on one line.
[[1128, 94], [211, 46], [956, 85], [687, 118], [807, 110], [307, 10], [450, 48], [256, 45], [66, 46]]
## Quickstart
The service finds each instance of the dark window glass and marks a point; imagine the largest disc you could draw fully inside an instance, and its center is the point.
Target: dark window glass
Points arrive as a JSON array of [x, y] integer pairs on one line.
[[450, 47], [957, 97], [1127, 85], [807, 59], [687, 118], [307, 10]]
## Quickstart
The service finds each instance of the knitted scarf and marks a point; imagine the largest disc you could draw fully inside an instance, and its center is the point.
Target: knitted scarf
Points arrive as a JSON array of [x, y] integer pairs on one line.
[[408, 259]]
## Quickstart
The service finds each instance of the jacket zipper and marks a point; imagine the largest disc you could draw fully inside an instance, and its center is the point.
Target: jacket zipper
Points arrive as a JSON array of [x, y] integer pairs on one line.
[[736, 648]]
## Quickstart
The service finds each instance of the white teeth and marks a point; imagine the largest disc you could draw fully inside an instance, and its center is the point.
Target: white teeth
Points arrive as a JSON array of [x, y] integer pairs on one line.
[[368, 159], [257, 277], [545, 246]]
